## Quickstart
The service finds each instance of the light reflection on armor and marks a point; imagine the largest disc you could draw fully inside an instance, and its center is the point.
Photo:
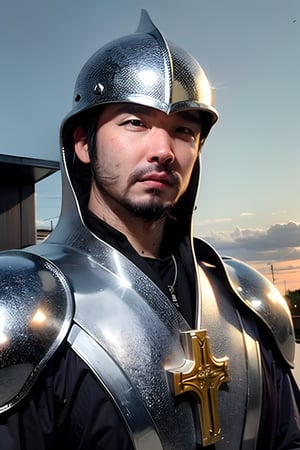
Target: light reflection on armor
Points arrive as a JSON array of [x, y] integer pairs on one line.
[[35, 312]]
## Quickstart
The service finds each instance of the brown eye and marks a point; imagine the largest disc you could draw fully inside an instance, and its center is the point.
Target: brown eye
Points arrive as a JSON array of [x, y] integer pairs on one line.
[[134, 123], [186, 132]]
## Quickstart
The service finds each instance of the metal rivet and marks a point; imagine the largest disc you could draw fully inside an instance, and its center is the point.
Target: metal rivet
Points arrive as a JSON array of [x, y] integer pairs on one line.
[[98, 89]]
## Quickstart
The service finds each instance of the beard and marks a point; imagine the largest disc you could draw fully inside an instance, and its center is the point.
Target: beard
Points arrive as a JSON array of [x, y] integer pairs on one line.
[[152, 210]]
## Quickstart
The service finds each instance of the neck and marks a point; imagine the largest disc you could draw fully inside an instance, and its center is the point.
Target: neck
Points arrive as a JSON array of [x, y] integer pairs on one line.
[[144, 236]]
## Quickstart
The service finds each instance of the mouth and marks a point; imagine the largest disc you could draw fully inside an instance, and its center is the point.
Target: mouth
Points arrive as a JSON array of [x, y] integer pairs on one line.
[[157, 179]]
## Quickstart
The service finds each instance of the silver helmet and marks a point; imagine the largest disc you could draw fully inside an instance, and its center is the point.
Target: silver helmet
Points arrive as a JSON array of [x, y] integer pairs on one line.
[[142, 68]]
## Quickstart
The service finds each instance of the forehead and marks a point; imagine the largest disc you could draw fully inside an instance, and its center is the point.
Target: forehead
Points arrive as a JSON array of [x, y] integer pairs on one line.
[[116, 109]]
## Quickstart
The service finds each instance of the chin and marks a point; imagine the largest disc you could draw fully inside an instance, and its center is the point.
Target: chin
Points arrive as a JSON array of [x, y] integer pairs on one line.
[[151, 210]]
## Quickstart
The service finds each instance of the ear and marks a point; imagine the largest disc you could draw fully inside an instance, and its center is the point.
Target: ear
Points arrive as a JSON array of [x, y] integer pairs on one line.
[[80, 145]]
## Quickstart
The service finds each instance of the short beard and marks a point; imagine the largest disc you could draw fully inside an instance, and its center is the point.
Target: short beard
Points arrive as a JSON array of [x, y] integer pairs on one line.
[[149, 212]]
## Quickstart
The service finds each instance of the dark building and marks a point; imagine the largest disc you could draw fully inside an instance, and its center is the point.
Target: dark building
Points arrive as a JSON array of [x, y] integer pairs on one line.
[[18, 177]]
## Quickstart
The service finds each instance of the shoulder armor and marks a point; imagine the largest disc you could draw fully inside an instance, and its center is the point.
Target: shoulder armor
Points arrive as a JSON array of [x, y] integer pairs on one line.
[[36, 310], [265, 300], [259, 294]]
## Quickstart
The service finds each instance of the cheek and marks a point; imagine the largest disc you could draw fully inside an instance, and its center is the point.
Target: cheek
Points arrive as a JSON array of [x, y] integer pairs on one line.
[[187, 168], [113, 165], [188, 164], [115, 150], [107, 150]]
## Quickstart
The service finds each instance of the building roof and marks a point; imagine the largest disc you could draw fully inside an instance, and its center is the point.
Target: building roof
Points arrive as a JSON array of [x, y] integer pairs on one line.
[[26, 170]]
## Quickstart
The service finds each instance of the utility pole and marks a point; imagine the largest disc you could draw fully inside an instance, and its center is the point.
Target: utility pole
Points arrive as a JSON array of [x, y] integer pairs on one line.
[[285, 291], [272, 272]]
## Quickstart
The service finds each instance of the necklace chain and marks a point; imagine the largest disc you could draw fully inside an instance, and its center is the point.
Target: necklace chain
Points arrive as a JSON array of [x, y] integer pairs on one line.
[[171, 287]]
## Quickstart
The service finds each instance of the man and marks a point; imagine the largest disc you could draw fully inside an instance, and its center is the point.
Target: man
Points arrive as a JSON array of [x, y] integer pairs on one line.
[[121, 331]]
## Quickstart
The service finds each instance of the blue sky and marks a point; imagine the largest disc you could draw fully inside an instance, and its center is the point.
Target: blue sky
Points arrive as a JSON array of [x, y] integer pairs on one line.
[[248, 204]]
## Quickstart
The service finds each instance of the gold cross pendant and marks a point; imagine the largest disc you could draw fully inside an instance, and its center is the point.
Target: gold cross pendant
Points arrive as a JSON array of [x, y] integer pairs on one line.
[[202, 374]]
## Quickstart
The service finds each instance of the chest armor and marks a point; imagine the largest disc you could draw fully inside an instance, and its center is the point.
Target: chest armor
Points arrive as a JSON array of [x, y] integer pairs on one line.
[[174, 387]]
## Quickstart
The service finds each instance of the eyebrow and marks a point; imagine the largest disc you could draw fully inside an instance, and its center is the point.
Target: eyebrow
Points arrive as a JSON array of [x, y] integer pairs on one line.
[[189, 115], [133, 108]]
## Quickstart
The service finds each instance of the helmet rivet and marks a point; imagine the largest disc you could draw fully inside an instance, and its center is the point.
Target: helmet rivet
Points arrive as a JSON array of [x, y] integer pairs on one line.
[[98, 89]]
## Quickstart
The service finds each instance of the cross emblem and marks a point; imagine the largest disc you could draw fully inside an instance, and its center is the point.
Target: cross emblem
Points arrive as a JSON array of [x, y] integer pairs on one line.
[[202, 374]]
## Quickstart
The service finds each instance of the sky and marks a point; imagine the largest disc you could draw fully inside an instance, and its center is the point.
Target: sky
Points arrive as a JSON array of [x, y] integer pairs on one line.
[[248, 203]]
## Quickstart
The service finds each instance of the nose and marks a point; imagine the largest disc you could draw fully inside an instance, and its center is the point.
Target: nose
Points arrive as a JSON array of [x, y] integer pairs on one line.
[[160, 146]]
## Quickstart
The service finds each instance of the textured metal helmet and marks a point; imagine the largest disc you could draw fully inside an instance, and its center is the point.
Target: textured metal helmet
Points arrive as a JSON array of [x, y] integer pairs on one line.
[[142, 68]]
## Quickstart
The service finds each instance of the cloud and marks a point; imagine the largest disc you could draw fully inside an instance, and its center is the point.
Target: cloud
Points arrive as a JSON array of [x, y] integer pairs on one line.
[[247, 214], [278, 213], [277, 243], [216, 221]]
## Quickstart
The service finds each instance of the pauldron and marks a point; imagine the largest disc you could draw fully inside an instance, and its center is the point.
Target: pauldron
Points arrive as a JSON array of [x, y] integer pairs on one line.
[[36, 309], [258, 294]]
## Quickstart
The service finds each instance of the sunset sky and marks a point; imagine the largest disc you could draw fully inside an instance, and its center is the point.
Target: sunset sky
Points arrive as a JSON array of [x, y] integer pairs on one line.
[[248, 204]]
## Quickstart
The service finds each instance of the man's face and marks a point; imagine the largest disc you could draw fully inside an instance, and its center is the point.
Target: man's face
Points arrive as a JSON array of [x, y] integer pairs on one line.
[[144, 158]]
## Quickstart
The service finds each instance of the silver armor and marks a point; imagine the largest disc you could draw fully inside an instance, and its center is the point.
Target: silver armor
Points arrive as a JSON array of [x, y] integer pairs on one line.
[[134, 362], [36, 310]]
